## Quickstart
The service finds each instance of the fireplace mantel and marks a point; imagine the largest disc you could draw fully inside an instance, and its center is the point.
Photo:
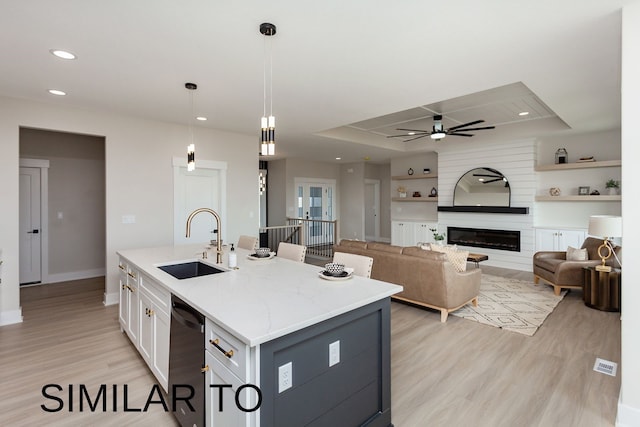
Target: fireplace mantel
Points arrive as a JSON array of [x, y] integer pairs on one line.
[[484, 209]]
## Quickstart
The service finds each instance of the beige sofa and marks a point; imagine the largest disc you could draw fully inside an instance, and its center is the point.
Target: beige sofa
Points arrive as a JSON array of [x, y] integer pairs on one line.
[[428, 278]]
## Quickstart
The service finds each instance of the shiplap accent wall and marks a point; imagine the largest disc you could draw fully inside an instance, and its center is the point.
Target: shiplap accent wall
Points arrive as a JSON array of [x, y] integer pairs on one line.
[[516, 161]]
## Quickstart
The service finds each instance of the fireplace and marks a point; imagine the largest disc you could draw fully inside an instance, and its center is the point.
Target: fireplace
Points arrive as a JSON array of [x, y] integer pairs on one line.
[[504, 240]]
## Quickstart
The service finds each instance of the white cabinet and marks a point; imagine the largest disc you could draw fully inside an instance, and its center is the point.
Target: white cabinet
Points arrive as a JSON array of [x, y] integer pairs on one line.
[[410, 233], [221, 387], [423, 233], [548, 239], [155, 326], [229, 368], [402, 232], [128, 281]]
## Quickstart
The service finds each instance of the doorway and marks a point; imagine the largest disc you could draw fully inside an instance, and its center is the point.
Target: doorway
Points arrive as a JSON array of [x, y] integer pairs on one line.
[[372, 210], [315, 200], [71, 221]]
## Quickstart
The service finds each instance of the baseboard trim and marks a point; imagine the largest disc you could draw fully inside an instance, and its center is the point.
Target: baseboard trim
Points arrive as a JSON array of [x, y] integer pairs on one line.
[[11, 317], [111, 298], [74, 275], [627, 416]]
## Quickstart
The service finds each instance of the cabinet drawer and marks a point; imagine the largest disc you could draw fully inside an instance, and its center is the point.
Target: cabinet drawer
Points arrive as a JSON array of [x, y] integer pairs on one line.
[[157, 293], [229, 350]]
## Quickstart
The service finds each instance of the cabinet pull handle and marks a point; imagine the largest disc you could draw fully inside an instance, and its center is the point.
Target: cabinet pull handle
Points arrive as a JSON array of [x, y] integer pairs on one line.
[[216, 343], [121, 267], [205, 369], [133, 276]]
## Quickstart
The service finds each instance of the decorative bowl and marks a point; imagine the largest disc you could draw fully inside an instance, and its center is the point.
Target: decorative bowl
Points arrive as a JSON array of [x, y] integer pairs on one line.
[[263, 252], [334, 268]]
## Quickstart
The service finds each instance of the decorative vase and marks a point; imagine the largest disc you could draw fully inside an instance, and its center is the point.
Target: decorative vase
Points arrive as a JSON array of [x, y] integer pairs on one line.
[[612, 191], [554, 191], [402, 194], [440, 242]]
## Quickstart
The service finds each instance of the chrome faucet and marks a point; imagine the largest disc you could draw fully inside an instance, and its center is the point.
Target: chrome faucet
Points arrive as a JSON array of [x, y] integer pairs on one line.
[[218, 225]]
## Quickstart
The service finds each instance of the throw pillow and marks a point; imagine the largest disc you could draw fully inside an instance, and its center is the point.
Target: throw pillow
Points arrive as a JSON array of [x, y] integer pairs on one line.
[[456, 257], [574, 254]]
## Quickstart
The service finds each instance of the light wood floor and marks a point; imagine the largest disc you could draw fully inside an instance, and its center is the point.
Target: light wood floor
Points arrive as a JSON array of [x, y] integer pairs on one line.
[[455, 374]]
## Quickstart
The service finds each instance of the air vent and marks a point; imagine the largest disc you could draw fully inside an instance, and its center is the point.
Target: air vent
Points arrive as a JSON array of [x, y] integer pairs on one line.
[[605, 367]]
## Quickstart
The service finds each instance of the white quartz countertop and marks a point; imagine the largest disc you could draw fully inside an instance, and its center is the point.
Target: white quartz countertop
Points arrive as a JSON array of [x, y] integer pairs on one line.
[[262, 299]]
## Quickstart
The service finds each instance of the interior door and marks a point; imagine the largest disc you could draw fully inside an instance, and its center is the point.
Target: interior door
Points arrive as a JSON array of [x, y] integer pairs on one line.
[[371, 209], [193, 190], [30, 231]]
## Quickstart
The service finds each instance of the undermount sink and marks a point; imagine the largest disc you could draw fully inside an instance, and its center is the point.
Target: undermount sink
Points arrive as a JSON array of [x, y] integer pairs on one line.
[[188, 270]]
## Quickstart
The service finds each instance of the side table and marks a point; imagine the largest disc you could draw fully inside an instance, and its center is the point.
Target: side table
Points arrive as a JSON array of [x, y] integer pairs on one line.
[[602, 289]]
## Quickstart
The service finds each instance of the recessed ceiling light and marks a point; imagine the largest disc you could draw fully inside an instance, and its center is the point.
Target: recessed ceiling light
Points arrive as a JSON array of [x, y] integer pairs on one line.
[[481, 179], [338, 158], [524, 113], [62, 54], [202, 119], [411, 133], [57, 92]]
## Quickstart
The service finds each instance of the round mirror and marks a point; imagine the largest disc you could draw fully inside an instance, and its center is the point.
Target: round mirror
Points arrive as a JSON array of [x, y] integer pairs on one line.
[[482, 187]]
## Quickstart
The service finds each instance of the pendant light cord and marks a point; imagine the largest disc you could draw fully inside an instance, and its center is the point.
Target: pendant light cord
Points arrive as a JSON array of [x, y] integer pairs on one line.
[[264, 77]]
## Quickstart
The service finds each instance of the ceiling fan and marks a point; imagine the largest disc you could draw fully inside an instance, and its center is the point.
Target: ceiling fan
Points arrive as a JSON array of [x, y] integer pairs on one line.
[[438, 132]]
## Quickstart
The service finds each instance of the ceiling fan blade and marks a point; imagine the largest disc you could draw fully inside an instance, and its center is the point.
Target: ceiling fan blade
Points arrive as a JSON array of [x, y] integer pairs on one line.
[[483, 128], [417, 137], [459, 134], [465, 125], [414, 130], [404, 135]]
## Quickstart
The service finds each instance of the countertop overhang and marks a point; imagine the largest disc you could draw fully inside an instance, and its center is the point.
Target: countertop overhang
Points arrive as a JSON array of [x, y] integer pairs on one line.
[[260, 300]]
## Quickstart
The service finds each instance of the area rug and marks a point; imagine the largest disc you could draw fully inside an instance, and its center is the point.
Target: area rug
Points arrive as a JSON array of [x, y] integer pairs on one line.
[[510, 304]]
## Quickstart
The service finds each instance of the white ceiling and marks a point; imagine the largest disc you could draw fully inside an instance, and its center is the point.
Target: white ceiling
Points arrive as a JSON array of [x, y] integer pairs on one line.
[[342, 70]]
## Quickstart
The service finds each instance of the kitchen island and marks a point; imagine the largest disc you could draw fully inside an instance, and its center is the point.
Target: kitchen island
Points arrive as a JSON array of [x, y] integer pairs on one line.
[[318, 350]]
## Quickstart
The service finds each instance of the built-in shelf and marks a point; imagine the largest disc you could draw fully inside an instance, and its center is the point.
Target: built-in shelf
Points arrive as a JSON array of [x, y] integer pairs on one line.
[[414, 199], [580, 165], [578, 198], [417, 176]]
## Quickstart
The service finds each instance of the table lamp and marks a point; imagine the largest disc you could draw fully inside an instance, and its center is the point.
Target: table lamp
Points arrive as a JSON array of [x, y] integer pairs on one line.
[[608, 227]]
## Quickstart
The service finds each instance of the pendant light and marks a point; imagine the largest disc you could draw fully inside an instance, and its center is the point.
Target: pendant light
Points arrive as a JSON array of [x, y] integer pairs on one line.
[[267, 124], [191, 148]]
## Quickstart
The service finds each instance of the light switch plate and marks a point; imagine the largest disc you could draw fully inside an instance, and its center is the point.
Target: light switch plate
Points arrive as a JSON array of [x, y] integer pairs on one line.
[[128, 219]]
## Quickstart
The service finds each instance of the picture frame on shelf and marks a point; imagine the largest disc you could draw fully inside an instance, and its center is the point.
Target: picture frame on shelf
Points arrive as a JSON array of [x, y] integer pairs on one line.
[[583, 191]]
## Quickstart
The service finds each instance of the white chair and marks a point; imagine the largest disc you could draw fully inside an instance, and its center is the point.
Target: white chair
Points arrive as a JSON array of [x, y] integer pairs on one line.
[[361, 264], [247, 242], [291, 251]]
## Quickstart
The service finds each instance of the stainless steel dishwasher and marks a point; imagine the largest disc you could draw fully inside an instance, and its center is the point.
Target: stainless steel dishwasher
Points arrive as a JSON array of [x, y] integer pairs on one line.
[[186, 359]]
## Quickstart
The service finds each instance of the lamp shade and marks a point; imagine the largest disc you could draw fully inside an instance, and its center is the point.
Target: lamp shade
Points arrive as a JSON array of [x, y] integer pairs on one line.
[[605, 226]]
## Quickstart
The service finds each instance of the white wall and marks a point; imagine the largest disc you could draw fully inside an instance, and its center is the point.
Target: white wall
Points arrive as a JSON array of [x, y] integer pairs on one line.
[[516, 163], [352, 201], [138, 181], [629, 403]]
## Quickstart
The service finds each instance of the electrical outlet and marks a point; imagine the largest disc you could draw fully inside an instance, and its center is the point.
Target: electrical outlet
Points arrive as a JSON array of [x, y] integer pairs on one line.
[[334, 353], [285, 377]]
